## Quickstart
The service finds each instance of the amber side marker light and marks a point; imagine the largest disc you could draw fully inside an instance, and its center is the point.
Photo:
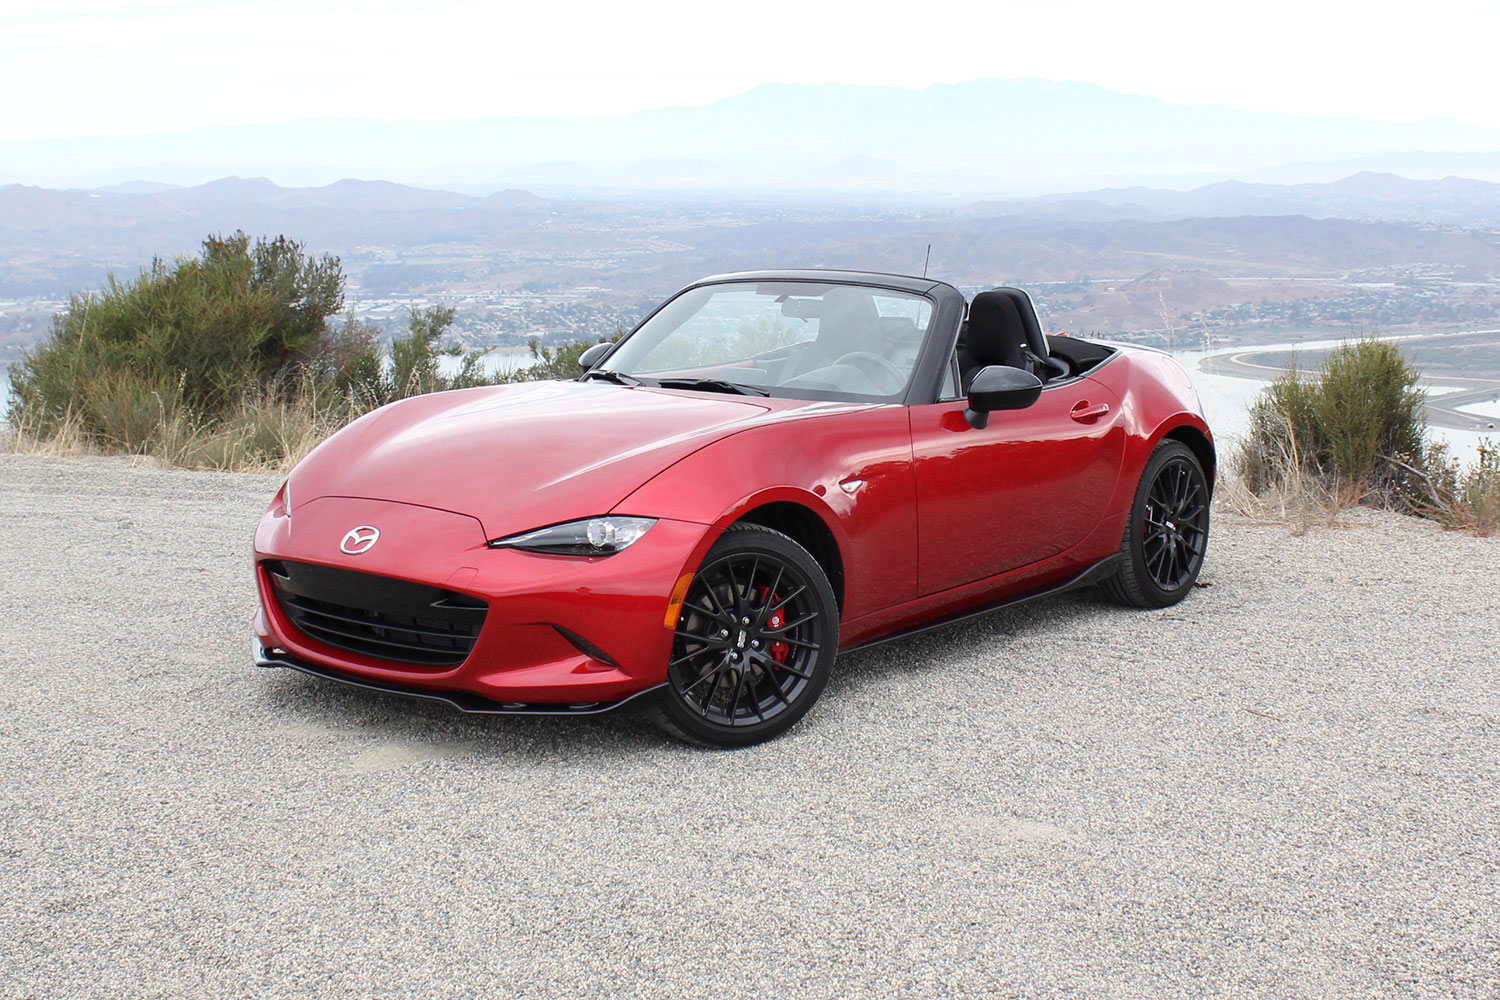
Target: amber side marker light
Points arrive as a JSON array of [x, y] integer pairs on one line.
[[674, 603]]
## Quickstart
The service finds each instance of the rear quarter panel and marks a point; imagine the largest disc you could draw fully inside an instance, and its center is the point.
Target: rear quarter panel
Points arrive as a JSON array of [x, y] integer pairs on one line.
[[1156, 398]]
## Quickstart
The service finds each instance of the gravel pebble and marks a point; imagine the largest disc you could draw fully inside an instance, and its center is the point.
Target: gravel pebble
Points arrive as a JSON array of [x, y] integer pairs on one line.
[[1288, 785]]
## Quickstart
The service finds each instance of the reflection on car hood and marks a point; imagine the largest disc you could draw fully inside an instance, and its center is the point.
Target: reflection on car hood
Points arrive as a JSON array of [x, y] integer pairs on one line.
[[518, 456]]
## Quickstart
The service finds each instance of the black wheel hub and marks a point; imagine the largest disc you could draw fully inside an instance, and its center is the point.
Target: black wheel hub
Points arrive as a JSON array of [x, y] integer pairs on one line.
[[746, 640], [1176, 525]]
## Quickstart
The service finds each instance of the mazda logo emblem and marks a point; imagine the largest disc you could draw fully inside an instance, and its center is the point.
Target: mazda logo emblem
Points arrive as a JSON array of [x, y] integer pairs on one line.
[[360, 539]]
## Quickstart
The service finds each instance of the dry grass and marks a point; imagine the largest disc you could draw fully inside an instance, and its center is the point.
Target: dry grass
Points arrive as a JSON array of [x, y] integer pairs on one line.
[[264, 433], [68, 441], [1287, 493], [1464, 498]]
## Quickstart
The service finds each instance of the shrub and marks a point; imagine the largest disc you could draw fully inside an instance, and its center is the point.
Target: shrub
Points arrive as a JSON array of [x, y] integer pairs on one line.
[[239, 315], [229, 361], [1355, 429], [1464, 497]]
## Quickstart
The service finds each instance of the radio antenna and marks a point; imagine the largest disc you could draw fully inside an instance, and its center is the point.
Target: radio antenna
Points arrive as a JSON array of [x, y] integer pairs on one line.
[[927, 260]]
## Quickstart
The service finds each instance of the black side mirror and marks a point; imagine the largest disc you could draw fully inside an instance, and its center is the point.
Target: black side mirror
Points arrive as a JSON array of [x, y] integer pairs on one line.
[[593, 355], [1000, 387]]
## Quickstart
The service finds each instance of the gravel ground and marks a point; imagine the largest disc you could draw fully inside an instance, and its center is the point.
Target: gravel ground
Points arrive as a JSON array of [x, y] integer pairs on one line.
[[1286, 786]]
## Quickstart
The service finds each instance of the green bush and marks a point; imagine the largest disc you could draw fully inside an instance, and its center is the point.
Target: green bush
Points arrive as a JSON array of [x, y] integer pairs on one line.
[[237, 316], [228, 360], [1356, 428]]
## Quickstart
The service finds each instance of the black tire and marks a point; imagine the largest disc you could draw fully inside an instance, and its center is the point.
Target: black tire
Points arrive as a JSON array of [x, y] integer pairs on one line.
[[1167, 536], [755, 643]]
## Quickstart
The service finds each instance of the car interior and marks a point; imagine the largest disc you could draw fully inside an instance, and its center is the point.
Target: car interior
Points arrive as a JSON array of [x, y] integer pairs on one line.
[[1002, 329], [859, 341], [858, 350]]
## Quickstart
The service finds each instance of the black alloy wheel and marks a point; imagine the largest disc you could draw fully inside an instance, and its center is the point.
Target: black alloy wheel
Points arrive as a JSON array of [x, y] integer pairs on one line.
[[755, 642], [1167, 537]]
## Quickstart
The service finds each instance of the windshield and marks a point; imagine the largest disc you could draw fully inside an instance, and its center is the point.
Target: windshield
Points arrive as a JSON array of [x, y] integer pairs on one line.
[[781, 338]]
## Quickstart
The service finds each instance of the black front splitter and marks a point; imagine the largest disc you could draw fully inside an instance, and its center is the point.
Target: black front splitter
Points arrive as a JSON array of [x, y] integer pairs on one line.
[[464, 701]]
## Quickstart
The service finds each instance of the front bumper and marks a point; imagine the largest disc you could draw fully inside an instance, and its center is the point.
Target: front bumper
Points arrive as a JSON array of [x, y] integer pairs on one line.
[[464, 701], [527, 658]]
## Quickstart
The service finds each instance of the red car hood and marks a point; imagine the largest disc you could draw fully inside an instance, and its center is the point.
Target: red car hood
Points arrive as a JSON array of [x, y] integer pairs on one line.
[[518, 456]]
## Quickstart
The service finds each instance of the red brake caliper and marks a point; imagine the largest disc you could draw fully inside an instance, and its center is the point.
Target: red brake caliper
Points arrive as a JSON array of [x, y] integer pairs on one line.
[[778, 650]]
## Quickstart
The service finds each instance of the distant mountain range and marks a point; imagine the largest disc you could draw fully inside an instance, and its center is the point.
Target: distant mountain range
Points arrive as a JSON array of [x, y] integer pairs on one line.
[[1370, 248], [402, 239], [1009, 137], [1451, 200]]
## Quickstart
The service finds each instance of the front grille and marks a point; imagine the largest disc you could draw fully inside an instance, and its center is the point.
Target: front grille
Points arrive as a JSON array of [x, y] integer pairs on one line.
[[377, 616]]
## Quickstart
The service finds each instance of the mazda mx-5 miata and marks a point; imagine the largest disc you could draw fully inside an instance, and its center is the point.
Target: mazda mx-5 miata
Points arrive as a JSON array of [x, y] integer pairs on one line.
[[772, 468]]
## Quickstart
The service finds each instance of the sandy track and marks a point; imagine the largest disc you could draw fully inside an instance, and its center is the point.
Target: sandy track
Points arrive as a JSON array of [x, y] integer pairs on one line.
[[1287, 786]]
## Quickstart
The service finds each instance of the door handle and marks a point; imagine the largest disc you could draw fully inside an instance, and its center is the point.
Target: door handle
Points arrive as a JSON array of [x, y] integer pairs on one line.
[[1083, 411]]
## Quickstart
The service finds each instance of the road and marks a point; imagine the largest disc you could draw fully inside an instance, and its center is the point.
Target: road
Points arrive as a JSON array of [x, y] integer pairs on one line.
[[1284, 787]]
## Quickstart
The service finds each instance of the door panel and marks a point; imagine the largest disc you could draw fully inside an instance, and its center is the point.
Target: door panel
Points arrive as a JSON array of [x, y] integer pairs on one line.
[[1030, 485]]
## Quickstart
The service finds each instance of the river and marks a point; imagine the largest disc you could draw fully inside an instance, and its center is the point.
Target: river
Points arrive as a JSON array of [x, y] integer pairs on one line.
[[1226, 398]]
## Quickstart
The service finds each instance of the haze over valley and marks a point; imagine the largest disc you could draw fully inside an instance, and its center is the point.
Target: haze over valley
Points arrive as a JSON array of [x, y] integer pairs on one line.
[[1230, 261], [1179, 225]]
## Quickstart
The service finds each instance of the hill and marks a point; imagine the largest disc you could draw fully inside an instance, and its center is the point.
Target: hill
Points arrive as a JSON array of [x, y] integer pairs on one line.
[[1017, 135]]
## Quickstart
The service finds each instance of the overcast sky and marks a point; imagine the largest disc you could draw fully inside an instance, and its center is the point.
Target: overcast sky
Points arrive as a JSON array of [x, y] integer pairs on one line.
[[76, 67]]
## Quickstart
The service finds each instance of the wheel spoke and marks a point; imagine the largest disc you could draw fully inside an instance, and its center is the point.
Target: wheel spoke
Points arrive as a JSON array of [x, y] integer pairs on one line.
[[783, 602], [719, 612], [707, 640], [690, 656], [777, 665], [734, 705], [1156, 560], [1191, 495], [734, 586], [750, 585], [774, 684], [800, 643], [770, 594], [755, 703], [711, 673]]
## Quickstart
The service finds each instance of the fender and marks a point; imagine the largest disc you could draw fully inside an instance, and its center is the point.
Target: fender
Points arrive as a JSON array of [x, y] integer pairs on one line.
[[850, 468]]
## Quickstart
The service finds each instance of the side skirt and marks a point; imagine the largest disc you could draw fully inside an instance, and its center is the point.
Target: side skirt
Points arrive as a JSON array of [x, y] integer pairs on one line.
[[1096, 573], [464, 701]]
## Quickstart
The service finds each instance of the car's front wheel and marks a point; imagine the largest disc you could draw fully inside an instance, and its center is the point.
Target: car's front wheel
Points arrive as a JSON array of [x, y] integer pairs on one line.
[[755, 642], [1167, 537]]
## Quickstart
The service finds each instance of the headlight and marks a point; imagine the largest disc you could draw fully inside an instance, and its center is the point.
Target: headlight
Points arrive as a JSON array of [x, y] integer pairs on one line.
[[596, 536], [285, 494]]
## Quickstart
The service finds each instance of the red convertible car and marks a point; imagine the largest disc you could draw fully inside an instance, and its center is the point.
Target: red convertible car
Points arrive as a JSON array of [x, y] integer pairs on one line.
[[772, 468]]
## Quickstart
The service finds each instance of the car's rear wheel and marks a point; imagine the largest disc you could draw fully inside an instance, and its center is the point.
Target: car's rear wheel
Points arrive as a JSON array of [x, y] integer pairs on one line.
[[755, 642], [1167, 537]]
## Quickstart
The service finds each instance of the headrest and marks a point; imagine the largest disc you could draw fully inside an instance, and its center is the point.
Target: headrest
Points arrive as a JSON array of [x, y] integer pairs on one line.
[[996, 332], [1029, 323]]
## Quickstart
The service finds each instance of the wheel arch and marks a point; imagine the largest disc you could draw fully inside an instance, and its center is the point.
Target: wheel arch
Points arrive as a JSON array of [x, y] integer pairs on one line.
[[804, 526], [1201, 445]]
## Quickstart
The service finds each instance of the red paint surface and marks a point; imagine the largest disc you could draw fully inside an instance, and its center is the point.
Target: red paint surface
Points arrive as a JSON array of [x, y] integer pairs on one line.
[[944, 517]]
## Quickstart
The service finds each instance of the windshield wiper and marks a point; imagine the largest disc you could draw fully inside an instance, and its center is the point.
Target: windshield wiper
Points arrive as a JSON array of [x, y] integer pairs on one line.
[[712, 385], [609, 375]]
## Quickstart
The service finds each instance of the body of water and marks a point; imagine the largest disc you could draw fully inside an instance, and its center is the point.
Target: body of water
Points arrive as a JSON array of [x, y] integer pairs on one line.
[[1227, 398]]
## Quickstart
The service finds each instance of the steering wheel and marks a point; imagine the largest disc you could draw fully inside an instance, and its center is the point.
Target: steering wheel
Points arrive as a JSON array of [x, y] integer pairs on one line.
[[877, 368]]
